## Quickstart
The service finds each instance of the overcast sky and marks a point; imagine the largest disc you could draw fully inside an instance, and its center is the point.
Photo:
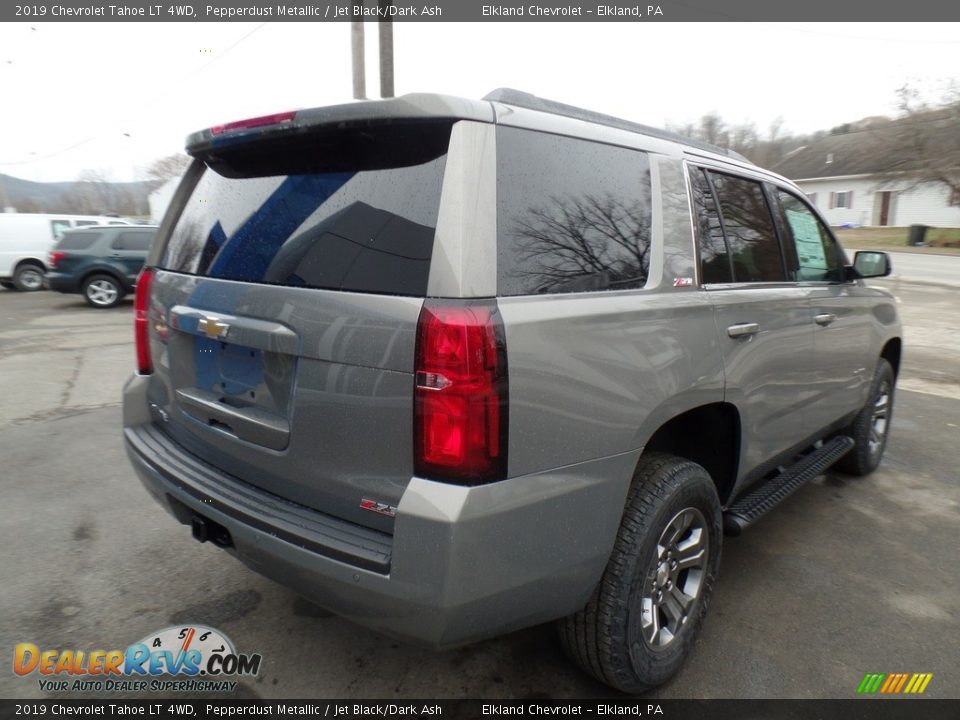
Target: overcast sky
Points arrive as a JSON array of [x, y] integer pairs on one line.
[[115, 96]]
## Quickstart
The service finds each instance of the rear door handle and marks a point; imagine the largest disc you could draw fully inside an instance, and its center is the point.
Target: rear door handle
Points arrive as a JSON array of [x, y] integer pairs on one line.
[[824, 319], [743, 330]]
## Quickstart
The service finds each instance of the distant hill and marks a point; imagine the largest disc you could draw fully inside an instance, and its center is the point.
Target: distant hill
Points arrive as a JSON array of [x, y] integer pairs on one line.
[[74, 197]]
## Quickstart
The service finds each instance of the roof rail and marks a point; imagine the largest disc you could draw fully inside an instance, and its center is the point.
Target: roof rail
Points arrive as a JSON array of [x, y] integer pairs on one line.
[[518, 98]]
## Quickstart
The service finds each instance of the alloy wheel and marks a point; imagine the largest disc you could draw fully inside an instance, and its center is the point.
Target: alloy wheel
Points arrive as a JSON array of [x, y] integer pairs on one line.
[[102, 292], [675, 578], [879, 418]]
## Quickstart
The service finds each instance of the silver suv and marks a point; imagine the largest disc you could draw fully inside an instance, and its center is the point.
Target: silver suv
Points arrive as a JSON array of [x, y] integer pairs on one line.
[[451, 368]]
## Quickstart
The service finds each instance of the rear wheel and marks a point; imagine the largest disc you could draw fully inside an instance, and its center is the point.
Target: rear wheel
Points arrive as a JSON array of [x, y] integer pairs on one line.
[[871, 427], [102, 291], [645, 614], [28, 277]]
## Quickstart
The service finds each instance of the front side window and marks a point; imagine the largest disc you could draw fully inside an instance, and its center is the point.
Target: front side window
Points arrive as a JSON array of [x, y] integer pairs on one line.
[[748, 227], [572, 215], [818, 258]]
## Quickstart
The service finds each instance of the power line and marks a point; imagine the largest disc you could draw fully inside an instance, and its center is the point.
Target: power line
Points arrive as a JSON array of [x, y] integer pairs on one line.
[[150, 103]]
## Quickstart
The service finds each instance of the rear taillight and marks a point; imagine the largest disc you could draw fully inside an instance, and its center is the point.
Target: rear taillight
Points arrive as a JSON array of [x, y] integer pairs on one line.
[[54, 257], [460, 423], [141, 321]]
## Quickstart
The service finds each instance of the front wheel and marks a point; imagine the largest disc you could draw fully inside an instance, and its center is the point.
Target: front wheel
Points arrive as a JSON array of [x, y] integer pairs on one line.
[[871, 427], [645, 613], [102, 291]]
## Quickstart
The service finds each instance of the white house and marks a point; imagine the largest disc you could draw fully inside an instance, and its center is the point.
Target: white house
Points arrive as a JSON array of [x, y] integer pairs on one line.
[[850, 181]]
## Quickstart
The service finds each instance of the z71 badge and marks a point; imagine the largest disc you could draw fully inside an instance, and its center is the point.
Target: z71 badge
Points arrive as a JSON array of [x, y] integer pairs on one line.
[[378, 507]]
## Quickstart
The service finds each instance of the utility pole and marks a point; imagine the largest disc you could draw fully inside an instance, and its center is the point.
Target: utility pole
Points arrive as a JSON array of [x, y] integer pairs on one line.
[[385, 28], [386, 53], [359, 67]]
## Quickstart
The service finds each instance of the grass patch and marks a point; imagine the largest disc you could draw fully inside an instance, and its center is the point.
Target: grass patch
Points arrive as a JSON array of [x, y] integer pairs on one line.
[[895, 238]]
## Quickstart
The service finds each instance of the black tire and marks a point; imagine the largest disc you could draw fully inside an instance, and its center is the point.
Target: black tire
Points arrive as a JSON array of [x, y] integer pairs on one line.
[[28, 277], [608, 637], [103, 291], [871, 427], [8, 284]]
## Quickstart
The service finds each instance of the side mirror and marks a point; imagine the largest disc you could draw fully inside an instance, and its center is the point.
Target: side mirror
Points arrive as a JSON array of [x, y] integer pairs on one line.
[[870, 264]]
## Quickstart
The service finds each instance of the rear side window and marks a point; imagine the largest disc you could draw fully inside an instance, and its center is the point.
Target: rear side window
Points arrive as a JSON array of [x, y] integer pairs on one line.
[[715, 264], [77, 240], [366, 225], [755, 253], [58, 227], [572, 215], [133, 240]]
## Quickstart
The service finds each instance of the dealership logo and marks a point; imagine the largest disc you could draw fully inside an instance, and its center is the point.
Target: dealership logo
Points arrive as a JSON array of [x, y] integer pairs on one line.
[[187, 652], [894, 683]]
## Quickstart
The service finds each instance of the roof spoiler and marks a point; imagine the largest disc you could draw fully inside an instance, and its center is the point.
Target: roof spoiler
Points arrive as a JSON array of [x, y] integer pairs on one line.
[[413, 107]]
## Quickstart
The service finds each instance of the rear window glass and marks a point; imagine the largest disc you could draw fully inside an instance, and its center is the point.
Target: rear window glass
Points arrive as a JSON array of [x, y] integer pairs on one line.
[[77, 240], [572, 215], [366, 228], [133, 240]]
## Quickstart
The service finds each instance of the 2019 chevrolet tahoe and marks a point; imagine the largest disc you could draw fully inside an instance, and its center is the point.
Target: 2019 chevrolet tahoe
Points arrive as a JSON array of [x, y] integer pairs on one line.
[[450, 368]]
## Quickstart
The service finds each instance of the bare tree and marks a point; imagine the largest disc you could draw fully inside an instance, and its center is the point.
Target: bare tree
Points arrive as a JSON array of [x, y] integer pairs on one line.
[[29, 205], [714, 130], [91, 194], [922, 147], [171, 166], [744, 138]]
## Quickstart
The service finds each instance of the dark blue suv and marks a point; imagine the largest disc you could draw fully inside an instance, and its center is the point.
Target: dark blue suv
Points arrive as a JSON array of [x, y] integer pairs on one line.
[[101, 262]]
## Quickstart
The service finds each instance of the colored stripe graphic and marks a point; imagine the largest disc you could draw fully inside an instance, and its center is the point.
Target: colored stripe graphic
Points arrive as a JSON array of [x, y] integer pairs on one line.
[[922, 680], [870, 683], [894, 683]]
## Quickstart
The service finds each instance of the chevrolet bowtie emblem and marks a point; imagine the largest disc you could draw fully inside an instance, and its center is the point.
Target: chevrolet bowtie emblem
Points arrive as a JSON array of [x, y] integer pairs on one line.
[[212, 328]]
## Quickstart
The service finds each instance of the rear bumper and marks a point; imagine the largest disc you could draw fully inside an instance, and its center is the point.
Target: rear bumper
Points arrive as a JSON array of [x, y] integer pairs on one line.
[[463, 563], [63, 283]]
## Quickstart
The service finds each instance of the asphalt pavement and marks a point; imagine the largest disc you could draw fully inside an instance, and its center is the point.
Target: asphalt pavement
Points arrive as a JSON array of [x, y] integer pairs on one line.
[[850, 576], [926, 268]]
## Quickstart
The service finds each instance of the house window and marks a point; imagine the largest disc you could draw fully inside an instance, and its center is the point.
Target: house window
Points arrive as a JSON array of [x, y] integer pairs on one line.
[[954, 197], [841, 199]]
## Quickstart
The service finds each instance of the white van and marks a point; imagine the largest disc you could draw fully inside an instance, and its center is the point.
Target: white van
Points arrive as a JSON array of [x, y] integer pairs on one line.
[[26, 238]]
